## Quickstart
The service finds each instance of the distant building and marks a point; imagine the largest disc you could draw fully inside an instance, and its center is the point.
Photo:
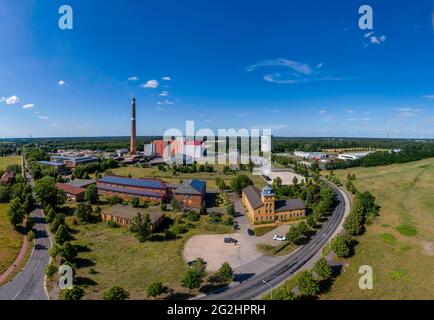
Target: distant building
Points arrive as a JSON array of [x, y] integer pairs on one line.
[[72, 161], [191, 193], [58, 166], [310, 155], [262, 206], [121, 152], [149, 150], [7, 178], [153, 190], [191, 148], [124, 215], [73, 193], [353, 155], [82, 183]]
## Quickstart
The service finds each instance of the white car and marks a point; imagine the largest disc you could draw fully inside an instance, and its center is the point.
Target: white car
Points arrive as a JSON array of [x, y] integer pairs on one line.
[[279, 237]]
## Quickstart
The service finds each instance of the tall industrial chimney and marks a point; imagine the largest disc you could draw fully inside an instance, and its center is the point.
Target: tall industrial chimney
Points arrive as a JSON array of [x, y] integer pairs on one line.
[[133, 147]]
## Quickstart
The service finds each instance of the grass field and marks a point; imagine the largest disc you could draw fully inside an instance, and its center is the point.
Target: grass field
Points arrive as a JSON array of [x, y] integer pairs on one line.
[[113, 256], [6, 161], [10, 240], [169, 177], [400, 244]]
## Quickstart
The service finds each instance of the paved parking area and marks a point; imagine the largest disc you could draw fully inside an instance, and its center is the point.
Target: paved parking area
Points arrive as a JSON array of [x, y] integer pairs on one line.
[[215, 251], [286, 177]]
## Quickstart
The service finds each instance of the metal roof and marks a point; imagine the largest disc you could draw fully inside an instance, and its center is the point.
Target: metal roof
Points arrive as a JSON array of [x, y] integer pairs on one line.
[[50, 163], [192, 186], [289, 205], [134, 182], [130, 191]]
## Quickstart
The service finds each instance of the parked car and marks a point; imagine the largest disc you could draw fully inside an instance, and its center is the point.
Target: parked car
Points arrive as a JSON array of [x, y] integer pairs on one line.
[[230, 240], [250, 232], [278, 237]]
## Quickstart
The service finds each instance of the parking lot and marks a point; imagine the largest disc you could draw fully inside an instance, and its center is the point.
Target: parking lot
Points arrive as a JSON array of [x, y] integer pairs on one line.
[[214, 250]]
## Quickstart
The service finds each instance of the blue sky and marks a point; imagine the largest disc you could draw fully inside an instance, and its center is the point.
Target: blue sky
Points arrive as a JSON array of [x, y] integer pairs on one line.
[[301, 68]]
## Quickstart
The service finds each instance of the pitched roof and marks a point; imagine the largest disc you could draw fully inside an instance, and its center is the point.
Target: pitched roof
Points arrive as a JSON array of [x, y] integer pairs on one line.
[[253, 196], [81, 183], [128, 212], [289, 205], [133, 192], [134, 182], [192, 186], [70, 189]]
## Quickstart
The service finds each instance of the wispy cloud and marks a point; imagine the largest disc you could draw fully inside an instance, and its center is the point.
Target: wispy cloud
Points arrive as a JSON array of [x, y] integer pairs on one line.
[[28, 106], [133, 78], [166, 78], [43, 117], [164, 93], [291, 72], [61, 83], [151, 84], [429, 97], [165, 102], [372, 39]]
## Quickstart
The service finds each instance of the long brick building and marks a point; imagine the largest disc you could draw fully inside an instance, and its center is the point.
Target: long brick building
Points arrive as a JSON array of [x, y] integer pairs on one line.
[[152, 190]]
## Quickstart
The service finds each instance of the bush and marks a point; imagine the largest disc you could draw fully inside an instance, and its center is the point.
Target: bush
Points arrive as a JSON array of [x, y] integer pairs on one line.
[[156, 289], [115, 200], [75, 293], [112, 224], [51, 270], [307, 284], [341, 246], [116, 293], [30, 235], [225, 273], [193, 216], [135, 202]]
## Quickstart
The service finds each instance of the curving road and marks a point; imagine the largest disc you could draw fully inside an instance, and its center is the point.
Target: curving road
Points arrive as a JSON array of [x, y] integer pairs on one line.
[[259, 284], [29, 283]]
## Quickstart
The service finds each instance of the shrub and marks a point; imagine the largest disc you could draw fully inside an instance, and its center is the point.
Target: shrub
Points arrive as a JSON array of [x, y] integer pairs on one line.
[[116, 293], [156, 289], [341, 246], [51, 270], [30, 235], [75, 293], [225, 273]]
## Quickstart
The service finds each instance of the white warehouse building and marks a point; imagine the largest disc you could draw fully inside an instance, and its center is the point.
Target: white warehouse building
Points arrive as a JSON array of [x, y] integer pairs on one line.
[[310, 155]]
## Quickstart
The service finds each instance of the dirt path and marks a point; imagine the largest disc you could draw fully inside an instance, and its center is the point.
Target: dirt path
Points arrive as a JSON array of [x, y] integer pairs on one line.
[[17, 261]]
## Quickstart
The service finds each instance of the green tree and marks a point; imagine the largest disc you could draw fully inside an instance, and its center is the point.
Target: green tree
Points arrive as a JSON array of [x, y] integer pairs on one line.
[[47, 193], [75, 293], [353, 223], [62, 234], [220, 184], [340, 245], [307, 284], [175, 205], [135, 202], [193, 279], [141, 226], [15, 212], [91, 194], [67, 251], [239, 182], [58, 220], [283, 293], [29, 203], [230, 210], [203, 208], [156, 289], [84, 212], [225, 272], [50, 270], [322, 269], [116, 293], [294, 235]]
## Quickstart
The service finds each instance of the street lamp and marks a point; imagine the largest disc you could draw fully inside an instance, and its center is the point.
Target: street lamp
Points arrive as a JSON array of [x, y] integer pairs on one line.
[[271, 288]]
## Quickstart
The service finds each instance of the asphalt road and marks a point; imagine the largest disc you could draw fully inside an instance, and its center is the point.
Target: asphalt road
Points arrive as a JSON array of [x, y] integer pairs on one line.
[[259, 284], [29, 283]]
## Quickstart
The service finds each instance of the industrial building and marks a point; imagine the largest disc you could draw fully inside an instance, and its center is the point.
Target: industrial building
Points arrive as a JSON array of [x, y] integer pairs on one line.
[[310, 155], [71, 161], [57, 166], [152, 190], [262, 206], [353, 155], [191, 149], [124, 215], [72, 192], [191, 193]]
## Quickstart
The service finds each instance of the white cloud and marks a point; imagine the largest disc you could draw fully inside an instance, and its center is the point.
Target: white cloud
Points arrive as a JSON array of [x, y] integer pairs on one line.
[[322, 111], [376, 40], [134, 78], [61, 83], [350, 111], [294, 65], [28, 106], [152, 84], [320, 65], [165, 102], [367, 35], [55, 125], [164, 93], [12, 100], [429, 97], [167, 78], [43, 117]]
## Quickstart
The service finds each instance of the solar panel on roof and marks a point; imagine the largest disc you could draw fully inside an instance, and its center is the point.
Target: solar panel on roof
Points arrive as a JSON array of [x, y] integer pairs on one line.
[[143, 183], [129, 191]]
